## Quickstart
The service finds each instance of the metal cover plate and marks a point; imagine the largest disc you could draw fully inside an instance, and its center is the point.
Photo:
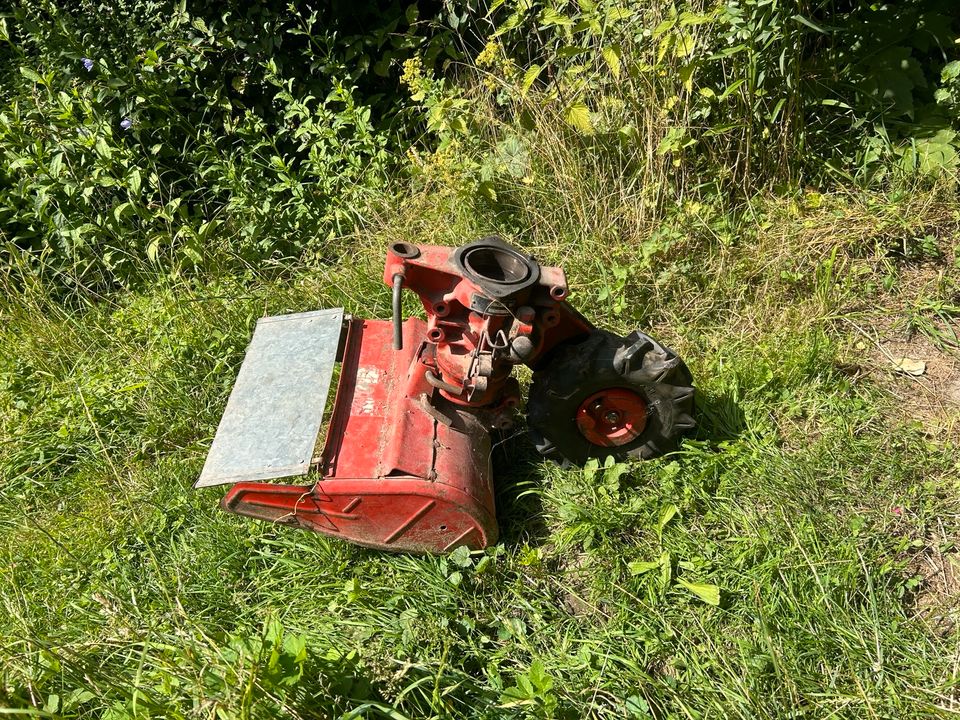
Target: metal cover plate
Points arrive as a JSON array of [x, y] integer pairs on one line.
[[274, 413]]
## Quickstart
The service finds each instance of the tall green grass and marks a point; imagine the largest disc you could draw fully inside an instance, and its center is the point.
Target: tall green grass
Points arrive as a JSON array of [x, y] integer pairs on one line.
[[795, 558], [805, 499]]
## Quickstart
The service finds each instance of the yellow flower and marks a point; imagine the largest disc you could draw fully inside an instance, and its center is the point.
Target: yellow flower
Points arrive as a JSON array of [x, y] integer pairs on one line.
[[412, 71], [489, 54]]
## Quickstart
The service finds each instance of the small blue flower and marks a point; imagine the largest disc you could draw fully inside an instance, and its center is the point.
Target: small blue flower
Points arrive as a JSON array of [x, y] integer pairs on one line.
[[126, 123], [87, 63]]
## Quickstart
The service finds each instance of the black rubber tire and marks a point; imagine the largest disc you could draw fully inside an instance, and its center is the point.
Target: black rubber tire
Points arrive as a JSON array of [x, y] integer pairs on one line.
[[602, 361]]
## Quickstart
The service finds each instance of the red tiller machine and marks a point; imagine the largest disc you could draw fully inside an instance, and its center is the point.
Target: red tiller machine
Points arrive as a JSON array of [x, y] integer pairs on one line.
[[405, 462]]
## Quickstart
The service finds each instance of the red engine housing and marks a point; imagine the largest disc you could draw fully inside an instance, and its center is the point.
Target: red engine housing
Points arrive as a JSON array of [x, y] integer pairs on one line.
[[406, 460]]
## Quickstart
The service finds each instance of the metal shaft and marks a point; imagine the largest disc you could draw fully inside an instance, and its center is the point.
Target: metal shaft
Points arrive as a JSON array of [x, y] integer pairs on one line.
[[397, 312]]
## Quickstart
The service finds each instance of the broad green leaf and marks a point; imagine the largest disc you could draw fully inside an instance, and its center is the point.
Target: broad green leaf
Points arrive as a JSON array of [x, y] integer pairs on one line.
[[122, 209], [103, 149], [578, 115], [710, 594], [664, 27], [613, 472], [639, 567], [56, 164], [461, 557], [612, 58], [590, 468], [52, 704], [684, 46], [691, 18], [194, 257], [675, 140], [272, 631], [933, 155], [511, 22], [551, 17], [616, 14], [21, 162], [31, 74], [669, 512], [666, 570], [529, 78], [539, 677], [570, 51], [134, 181], [686, 75], [153, 249], [638, 707]]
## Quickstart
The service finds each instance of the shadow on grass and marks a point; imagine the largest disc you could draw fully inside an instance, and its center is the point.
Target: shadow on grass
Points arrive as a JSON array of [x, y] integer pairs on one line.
[[517, 467]]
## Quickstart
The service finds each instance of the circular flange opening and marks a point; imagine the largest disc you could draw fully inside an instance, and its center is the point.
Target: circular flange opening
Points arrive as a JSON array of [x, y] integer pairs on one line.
[[497, 265], [405, 250]]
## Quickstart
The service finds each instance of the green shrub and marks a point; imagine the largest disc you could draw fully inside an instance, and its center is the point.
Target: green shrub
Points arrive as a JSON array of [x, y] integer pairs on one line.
[[149, 132], [147, 135], [731, 96]]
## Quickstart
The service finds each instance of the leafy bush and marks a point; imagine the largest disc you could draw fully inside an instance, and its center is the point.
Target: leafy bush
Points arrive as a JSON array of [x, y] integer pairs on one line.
[[147, 131], [146, 135], [728, 96]]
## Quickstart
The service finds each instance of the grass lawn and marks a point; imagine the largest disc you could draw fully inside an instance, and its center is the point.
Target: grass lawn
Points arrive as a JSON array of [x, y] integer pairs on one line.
[[797, 557]]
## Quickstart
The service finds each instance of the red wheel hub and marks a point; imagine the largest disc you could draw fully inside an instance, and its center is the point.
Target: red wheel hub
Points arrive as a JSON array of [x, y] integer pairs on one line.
[[612, 417]]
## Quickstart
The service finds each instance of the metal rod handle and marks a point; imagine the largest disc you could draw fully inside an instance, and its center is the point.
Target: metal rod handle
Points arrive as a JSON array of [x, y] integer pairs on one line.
[[397, 312]]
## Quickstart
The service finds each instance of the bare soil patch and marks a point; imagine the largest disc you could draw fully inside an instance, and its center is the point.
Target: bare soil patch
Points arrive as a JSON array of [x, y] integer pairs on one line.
[[932, 398], [883, 351], [937, 597]]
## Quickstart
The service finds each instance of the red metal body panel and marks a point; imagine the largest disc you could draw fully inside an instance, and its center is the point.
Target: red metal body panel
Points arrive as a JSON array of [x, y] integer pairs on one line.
[[399, 473], [373, 397], [397, 513]]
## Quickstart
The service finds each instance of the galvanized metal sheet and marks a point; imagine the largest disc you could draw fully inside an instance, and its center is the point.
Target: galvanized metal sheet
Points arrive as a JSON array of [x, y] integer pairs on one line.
[[274, 413]]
